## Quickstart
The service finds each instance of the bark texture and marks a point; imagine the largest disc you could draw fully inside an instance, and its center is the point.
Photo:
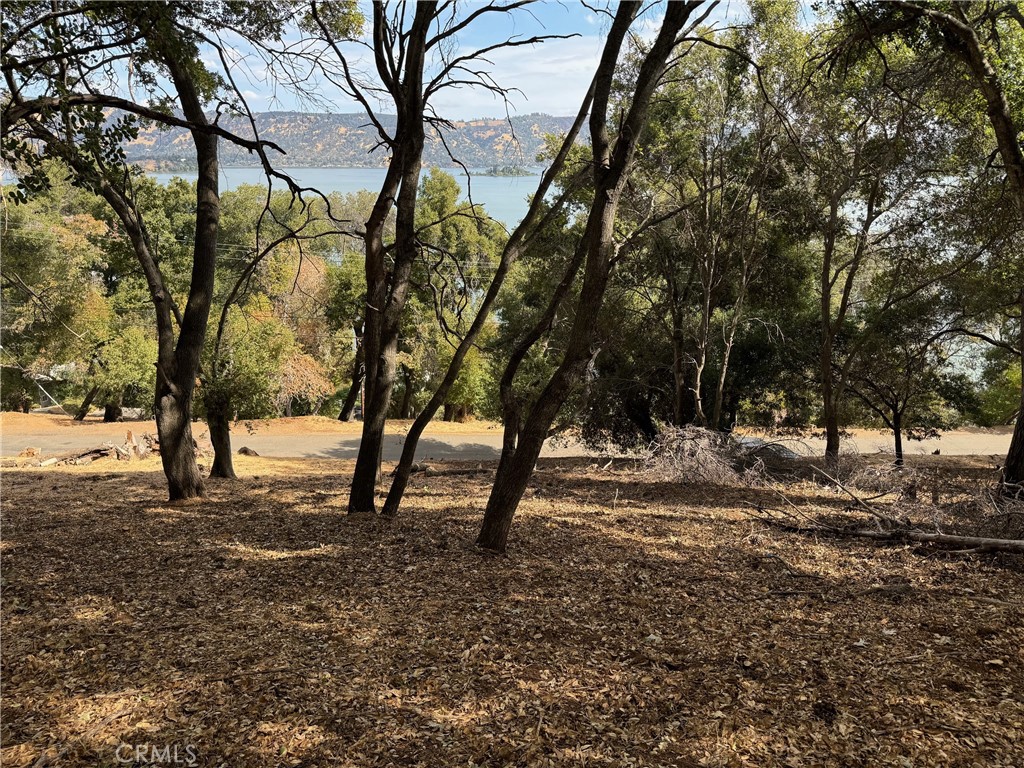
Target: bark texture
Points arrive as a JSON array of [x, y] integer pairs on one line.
[[611, 165], [388, 289], [218, 419]]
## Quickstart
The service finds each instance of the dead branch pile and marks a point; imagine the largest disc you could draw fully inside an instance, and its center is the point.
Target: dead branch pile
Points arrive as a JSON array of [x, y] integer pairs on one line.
[[901, 522], [694, 454], [905, 482]]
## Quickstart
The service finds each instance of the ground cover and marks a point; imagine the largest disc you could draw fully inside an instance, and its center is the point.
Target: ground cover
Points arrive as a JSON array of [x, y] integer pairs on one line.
[[634, 622]]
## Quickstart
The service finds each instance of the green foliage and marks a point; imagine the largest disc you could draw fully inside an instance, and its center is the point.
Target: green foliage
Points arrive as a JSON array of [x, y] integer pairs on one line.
[[126, 367], [250, 369], [1000, 399]]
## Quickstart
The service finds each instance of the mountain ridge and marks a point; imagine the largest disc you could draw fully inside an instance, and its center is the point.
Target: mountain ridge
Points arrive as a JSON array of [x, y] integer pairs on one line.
[[349, 140]]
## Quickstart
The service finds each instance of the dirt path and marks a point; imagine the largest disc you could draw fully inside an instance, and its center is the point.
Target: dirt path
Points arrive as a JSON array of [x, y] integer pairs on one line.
[[965, 442], [303, 437], [324, 438]]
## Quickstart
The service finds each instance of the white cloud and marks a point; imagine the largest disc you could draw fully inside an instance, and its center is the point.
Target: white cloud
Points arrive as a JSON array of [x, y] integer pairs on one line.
[[552, 78]]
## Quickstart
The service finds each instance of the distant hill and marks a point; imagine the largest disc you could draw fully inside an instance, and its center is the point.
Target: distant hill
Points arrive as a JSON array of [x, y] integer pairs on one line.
[[345, 141]]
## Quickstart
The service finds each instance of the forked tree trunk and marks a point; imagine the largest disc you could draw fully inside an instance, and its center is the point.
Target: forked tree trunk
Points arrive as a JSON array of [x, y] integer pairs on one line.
[[218, 419], [177, 362], [388, 289], [611, 168]]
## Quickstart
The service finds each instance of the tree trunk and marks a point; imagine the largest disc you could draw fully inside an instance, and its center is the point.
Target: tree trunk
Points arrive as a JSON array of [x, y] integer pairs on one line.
[[218, 419], [682, 401], [176, 378], [897, 433], [703, 342], [1013, 467], [177, 363], [363, 496], [405, 409], [531, 224], [638, 411], [961, 40], [388, 289], [737, 314], [83, 410], [348, 408], [831, 433], [829, 399], [112, 410], [177, 448], [611, 165]]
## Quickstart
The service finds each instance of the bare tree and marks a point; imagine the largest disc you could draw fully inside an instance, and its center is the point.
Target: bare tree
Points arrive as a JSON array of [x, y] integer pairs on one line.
[[415, 56]]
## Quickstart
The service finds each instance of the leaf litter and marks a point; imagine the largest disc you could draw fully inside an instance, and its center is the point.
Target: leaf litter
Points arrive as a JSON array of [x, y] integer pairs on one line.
[[634, 622]]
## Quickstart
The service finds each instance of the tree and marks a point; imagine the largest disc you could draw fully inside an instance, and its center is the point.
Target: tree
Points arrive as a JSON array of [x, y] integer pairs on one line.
[[901, 372], [54, 311], [716, 149], [984, 39], [58, 64], [612, 160], [415, 58]]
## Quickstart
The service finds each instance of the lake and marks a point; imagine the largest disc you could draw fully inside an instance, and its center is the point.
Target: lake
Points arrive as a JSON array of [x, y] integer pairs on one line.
[[505, 197]]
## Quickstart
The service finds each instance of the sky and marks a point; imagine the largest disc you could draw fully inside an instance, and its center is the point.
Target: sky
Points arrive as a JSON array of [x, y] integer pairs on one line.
[[551, 77]]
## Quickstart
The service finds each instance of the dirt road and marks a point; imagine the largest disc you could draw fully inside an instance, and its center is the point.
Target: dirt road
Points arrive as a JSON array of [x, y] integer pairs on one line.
[[320, 437], [304, 437]]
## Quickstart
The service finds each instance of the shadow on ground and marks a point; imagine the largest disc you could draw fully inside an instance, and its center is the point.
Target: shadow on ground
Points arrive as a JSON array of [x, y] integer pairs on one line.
[[633, 622]]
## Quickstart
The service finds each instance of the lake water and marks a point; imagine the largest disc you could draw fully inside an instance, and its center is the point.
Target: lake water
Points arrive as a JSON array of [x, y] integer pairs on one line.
[[505, 197]]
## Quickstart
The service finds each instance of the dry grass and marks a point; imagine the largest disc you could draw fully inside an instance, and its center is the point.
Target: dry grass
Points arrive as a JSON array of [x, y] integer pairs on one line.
[[635, 622]]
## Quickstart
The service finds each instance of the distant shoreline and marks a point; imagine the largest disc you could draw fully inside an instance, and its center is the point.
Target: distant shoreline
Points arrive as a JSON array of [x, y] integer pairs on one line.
[[454, 169]]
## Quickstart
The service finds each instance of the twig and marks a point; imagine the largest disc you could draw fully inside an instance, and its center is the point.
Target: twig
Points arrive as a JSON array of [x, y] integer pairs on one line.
[[860, 502]]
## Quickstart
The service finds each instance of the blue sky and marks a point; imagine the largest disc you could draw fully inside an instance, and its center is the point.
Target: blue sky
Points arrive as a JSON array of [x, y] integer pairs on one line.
[[552, 76]]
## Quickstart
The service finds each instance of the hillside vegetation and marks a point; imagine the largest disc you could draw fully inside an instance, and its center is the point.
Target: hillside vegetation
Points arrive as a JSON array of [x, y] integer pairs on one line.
[[348, 141]]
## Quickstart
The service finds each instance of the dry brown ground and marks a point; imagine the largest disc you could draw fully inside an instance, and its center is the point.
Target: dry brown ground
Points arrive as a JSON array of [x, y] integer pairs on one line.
[[633, 623]]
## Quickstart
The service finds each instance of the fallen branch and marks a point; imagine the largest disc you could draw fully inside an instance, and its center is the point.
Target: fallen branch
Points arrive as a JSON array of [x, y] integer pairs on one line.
[[784, 521], [858, 500], [426, 469], [976, 543]]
